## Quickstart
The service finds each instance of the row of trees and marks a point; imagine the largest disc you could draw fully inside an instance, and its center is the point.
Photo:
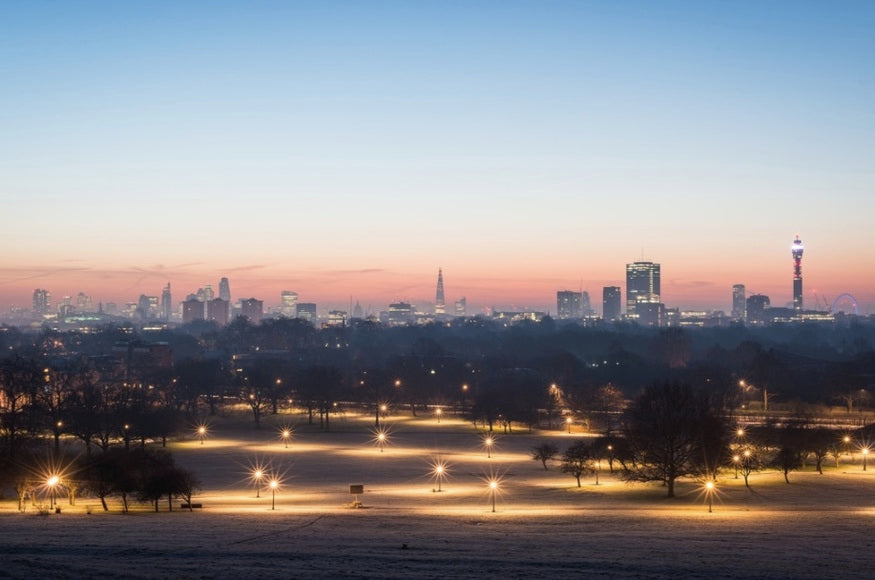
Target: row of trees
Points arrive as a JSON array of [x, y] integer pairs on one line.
[[139, 474], [672, 431]]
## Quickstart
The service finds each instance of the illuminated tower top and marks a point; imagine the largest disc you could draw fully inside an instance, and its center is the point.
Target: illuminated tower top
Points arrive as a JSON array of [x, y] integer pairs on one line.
[[796, 249]]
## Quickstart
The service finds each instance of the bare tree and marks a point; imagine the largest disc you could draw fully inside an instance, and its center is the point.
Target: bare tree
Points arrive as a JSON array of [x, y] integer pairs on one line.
[[545, 452], [577, 460]]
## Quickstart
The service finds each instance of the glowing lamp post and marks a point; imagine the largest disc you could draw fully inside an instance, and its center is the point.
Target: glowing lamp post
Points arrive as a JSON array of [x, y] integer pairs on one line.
[[52, 482], [865, 457], [286, 434], [489, 442], [709, 492], [439, 471], [274, 483], [735, 459], [568, 422], [493, 489], [202, 433], [257, 476], [381, 440], [438, 412], [739, 433]]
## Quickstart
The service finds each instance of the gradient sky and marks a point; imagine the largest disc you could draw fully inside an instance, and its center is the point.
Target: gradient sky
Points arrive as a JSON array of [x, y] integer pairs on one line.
[[349, 149]]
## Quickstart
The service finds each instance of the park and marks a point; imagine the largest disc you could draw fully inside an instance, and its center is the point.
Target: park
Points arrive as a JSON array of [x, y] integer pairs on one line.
[[437, 501]]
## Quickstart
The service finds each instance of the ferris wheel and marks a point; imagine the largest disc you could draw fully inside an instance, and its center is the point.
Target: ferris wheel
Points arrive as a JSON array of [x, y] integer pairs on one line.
[[843, 303]]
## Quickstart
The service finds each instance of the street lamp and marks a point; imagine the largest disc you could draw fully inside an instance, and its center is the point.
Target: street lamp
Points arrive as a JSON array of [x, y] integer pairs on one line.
[[202, 432], [52, 483], [488, 442], [274, 483], [439, 471], [438, 412], [569, 421], [257, 476], [709, 491], [493, 489], [865, 456], [286, 434], [735, 459]]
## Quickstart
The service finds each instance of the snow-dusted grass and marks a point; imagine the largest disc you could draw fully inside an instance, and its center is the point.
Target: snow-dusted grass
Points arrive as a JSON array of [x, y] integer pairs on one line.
[[819, 526]]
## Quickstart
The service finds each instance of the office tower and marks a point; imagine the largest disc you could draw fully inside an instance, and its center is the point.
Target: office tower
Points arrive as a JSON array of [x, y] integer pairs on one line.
[[252, 309], [289, 304], [796, 249], [83, 302], [192, 309], [400, 313], [42, 301], [739, 303], [147, 307], [585, 304], [642, 285], [307, 311], [611, 300], [166, 303], [440, 307], [568, 304], [357, 311], [218, 311], [756, 308], [225, 290], [461, 307], [209, 294]]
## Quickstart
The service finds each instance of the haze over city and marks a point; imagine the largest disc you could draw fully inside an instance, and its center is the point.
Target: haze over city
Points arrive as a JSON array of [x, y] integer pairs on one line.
[[346, 150]]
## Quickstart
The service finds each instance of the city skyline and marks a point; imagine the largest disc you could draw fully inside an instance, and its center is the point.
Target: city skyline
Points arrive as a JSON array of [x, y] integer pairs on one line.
[[349, 151]]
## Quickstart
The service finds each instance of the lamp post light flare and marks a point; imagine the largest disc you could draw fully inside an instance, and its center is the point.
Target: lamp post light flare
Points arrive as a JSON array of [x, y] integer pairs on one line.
[[568, 422], [865, 457], [202, 433], [274, 483], [52, 483], [493, 489], [709, 492], [488, 442], [258, 475], [286, 434]]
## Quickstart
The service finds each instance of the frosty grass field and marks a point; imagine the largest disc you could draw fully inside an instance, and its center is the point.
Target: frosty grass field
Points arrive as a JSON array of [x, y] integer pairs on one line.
[[544, 526]]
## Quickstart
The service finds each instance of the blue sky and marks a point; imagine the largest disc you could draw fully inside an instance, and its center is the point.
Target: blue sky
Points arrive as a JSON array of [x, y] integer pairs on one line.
[[350, 148]]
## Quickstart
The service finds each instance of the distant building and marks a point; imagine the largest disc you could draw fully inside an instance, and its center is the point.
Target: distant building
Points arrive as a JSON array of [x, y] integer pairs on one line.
[[611, 300], [739, 303], [83, 302], [357, 311], [307, 311], [147, 307], [440, 306], [461, 307], [642, 285], [42, 302], [337, 317], [400, 313], [252, 309], [218, 311], [225, 290], [651, 314], [192, 309], [289, 304], [757, 305], [586, 308], [166, 303], [568, 305]]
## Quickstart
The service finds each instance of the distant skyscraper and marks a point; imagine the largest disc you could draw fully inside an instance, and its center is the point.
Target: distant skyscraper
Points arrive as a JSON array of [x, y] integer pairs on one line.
[[289, 304], [796, 249], [568, 304], [642, 285], [166, 303], [756, 308], [461, 307], [209, 294], [83, 302], [739, 303], [585, 304], [307, 311], [252, 309], [440, 307], [225, 290], [611, 300], [357, 311], [42, 301]]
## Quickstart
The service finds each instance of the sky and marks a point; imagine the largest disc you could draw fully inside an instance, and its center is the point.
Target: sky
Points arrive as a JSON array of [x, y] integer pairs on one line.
[[347, 150]]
